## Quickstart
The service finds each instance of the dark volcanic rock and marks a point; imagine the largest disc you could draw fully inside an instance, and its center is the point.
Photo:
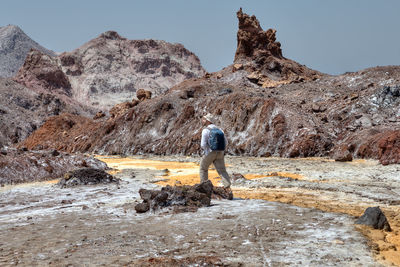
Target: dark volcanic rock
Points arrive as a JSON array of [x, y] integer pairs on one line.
[[14, 46], [86, 176], [222, 193], [374, 217], [188, 197]]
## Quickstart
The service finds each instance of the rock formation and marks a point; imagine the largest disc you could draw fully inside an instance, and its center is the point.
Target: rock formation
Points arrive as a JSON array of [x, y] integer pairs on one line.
[[253, 42], [257, 122], [260, 56], [354, 115], [14, 46], [41, 72], [181, 198]]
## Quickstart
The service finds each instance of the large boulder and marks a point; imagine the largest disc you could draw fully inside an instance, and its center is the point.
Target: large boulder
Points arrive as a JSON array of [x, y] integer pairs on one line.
[[181, 198], [374, 217]]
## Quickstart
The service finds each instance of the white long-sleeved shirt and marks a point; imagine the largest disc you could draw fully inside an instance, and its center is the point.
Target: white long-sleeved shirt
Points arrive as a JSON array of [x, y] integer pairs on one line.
[[205, 134]]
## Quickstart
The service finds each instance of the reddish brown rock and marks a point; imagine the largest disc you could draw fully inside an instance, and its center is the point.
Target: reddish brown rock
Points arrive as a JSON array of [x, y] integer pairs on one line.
[[389, 148], [260, 55], [66, 132], [309, 145], [142, 94], [343, 153], [252, 41]]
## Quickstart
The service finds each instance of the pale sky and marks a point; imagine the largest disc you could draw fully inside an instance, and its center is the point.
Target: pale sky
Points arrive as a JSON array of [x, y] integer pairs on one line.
[[329, 36]]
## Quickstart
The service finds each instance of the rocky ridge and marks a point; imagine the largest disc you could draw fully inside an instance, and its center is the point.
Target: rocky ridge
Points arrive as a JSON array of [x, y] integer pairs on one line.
[[14, 46], [303, 113]]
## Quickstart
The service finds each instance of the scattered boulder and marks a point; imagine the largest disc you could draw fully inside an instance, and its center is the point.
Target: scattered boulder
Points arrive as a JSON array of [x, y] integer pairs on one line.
[[55, 153], [181, 198], [222, 193], [86, 176], [237, 177], [142, 94], [99, 115], [343, 153], [373, 216]]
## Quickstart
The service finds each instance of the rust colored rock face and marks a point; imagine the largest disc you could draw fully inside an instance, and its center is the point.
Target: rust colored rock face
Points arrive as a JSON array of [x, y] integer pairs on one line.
[[256, 123], [58, 129], [389, 148]]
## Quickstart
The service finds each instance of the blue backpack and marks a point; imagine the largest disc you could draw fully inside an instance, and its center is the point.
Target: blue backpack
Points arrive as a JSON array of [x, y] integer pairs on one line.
[[216, 139]]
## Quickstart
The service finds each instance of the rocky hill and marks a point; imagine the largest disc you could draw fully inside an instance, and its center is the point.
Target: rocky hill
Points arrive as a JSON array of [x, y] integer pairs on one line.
[[268, 106], [14, 46], [23, 110], [110, 69]]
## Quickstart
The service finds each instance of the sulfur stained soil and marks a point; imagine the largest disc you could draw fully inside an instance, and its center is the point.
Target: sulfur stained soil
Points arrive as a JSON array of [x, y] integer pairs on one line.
[[308, 219]]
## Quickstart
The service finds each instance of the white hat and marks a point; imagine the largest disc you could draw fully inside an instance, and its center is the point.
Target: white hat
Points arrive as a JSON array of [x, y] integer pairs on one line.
[[209, 117]]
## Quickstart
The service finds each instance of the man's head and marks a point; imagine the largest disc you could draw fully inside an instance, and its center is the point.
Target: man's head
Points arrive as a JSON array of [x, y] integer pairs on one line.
[[207, 119]]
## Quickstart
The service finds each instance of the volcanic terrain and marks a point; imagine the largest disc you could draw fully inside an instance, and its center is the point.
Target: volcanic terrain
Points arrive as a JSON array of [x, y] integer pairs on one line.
[[308, 153], [267, 105]]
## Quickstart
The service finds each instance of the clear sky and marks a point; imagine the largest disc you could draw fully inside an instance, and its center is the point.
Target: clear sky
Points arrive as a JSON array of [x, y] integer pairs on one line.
[[332, 36]]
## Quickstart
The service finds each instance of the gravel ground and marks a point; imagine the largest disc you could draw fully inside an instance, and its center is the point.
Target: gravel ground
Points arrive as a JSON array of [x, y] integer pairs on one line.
[[43, 225]]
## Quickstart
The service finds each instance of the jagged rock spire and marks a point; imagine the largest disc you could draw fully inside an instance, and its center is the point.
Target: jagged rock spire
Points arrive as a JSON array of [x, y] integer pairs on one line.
[[252, 41]]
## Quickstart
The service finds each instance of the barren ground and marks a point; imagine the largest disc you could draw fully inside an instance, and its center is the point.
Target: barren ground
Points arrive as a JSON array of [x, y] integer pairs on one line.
[[42, 225]]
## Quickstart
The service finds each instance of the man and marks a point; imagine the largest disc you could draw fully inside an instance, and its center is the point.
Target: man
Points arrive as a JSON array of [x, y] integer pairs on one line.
[[213, 156]]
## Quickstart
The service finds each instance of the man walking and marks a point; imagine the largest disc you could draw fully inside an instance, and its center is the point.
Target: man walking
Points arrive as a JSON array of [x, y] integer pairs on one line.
[[213, 143]]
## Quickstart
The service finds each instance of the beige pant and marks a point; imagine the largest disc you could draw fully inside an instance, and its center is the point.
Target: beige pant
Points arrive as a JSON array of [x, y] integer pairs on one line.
[[217, 158]]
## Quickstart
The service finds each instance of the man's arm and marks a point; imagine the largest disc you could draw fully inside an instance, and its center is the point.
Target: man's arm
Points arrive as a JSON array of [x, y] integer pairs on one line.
[[204, 137]]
